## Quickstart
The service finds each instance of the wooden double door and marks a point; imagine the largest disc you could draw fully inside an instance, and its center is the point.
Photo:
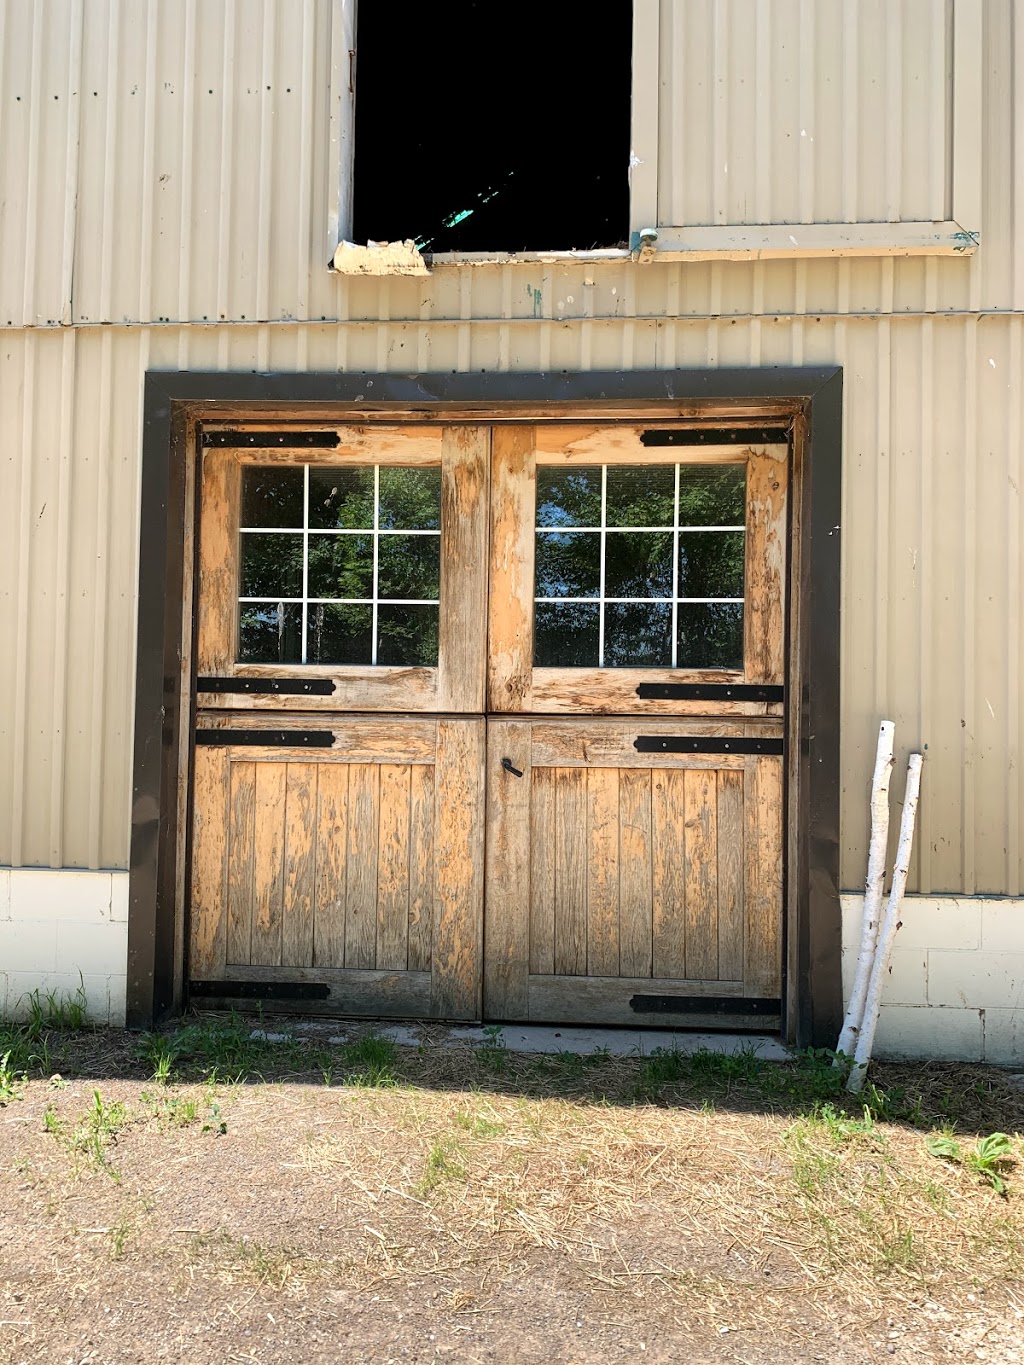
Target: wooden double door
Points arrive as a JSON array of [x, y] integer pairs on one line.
[[489, 723]]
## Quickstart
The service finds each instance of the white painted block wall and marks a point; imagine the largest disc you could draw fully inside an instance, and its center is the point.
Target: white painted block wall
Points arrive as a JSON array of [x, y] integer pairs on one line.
[[60, 931], [955, 991]]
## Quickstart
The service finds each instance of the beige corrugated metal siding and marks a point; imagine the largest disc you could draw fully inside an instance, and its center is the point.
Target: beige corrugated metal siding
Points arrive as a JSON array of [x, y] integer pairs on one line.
[[804, 111], [156, 199]]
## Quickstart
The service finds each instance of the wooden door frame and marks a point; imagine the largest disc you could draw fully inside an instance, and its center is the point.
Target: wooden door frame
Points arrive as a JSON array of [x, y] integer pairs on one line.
[[803, 402]]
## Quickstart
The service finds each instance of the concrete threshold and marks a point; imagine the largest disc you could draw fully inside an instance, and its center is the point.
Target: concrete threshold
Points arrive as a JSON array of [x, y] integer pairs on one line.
[[538, 1038]]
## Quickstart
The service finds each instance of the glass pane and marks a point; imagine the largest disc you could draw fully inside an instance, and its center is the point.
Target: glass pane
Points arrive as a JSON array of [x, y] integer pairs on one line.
[[271, 496], [638, 635], [710, 636], [641, 495], [713, 495], [339, 634], [341, 497], [409, 566], [711, 564], [638, 564], [565, 634], [569, 497], [410, 499], [407, 636], [271, 566], [270, 633], [341, 566], [568, 565]]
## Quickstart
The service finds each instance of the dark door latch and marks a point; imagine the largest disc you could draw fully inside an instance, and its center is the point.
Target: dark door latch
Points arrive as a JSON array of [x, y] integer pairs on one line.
[[506, 763]]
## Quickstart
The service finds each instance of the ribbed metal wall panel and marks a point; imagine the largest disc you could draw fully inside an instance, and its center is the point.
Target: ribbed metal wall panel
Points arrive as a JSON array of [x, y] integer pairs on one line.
[[804, 111], [932, 539], [140, 144]]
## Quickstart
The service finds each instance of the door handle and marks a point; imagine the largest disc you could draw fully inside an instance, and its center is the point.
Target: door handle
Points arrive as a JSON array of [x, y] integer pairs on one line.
[[506, 763]]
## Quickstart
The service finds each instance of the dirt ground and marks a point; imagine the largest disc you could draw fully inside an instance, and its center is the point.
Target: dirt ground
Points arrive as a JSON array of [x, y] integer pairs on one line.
[[211, 1195]]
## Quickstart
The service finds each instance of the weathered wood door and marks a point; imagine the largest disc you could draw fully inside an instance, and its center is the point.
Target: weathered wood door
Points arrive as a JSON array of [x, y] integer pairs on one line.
[[490, 721], [337, 799], [634, 865]]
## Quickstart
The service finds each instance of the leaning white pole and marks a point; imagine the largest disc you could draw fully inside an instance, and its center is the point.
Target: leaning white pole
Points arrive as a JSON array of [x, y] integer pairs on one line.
[[872, 889], [891, 922]]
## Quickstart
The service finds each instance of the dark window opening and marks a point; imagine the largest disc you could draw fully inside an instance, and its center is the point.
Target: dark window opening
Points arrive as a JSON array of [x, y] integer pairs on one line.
[[484, 127]]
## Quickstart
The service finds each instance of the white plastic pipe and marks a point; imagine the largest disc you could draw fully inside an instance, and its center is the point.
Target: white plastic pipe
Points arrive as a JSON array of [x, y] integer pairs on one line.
[[887, 933], [872, 889]]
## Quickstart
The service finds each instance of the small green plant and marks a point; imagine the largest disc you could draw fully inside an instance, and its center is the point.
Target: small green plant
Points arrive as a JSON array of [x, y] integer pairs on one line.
[[160, 1052], [664, 1067], [11, 1081], [370, 1061], [52, 1122], [478, 1126], [56, 1010], [441, 1165], [988, 1160], [492, 1052], [118, 1237]]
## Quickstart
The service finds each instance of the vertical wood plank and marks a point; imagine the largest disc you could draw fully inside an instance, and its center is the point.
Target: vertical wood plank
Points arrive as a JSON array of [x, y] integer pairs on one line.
[[730, 874], [462, 637], [762, 965], [669, 872], [542, 872], [459, 869], [208, 929], [570, 872], [268, 875], [701, 819], [765, 627], [510, 597], [241, 860], [331, 860], [218, 562], [300, 865], [393, 869], [421, 866], [636, 918], [602, 871], [507, 936], [361, 873]]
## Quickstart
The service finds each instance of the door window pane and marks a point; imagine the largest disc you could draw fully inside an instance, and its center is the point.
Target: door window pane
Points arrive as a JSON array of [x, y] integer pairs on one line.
[[345, 541], [654, 558]]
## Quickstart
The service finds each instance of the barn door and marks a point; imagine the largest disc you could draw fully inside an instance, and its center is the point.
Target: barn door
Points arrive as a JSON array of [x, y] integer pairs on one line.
[[337, 800], [634, 865]]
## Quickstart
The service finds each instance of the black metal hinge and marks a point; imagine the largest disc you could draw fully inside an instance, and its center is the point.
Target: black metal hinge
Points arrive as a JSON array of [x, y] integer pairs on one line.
[[703, 1004], [704, 744], [723, 436], [711, 692], [271, 440], [261, 990], [298, 687], [269, 739]]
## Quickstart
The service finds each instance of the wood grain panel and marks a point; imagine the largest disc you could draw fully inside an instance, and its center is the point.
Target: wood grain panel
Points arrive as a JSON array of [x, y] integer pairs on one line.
[[268, 873], [763, 878], [378, 688], [542, 871], [370, 994], [635, 873], [669, 873], [300, 865], [602, 872], [393, 869], [241, 859], [331, 861], [617, 443], [612, 691], [766, 568], [361, 901], [218, 562], [421, 866], [570, 872], [507, 941], [510, 596], [458, 867], [462, 638], [730, 874], [357, 739], [606, 1000], [208, 937], [701, 821], [610, 743]]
